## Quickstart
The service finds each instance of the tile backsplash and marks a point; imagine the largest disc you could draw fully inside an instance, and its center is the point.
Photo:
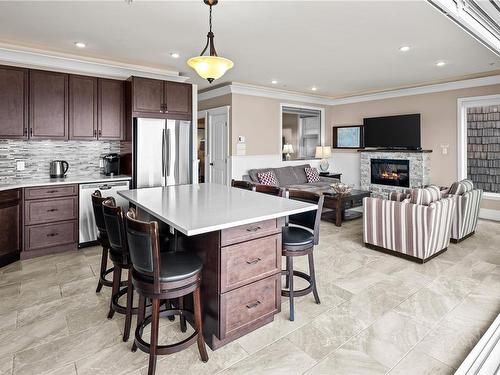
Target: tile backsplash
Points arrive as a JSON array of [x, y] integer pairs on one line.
[[82, 156]]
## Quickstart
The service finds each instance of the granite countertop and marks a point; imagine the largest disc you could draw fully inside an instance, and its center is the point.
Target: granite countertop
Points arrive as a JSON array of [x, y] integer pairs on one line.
[[70, 179], [203, 208]]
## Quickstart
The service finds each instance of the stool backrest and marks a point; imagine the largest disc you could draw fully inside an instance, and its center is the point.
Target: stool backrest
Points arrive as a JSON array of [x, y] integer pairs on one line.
[[247, 185], [115, 227], [309, 219], [270, 190], [97, 200], [144, 246]]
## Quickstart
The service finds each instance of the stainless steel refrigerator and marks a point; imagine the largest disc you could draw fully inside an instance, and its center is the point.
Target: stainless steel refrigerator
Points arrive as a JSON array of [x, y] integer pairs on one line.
[[162, 152]]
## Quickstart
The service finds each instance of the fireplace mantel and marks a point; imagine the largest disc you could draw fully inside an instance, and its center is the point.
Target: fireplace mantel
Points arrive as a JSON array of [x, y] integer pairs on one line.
[[394, 150], [419, 169]]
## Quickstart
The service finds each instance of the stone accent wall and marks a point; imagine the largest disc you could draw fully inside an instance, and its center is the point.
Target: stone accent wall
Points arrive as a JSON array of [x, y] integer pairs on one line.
[[419, 170], [82, 156], [483, 147]]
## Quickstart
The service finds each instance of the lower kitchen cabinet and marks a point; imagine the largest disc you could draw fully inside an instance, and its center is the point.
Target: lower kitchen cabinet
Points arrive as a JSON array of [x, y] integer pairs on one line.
[[50, 220], [10, 226]]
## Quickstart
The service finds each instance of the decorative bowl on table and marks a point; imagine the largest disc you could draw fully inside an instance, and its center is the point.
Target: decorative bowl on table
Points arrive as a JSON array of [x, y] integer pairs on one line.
[[341, 188]]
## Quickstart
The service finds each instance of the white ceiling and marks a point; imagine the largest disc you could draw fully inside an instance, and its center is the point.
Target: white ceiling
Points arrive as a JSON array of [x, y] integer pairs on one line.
[[341, 47]]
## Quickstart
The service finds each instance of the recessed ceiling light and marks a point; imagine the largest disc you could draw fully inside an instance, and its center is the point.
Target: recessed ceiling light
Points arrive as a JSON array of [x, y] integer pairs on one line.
[[314, 88], [404, 48], [80, 44], [274, 82], [175, 55], [440, 63]]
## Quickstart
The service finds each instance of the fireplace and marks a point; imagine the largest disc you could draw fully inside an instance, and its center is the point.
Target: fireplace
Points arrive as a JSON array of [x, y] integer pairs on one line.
[[392, 172]]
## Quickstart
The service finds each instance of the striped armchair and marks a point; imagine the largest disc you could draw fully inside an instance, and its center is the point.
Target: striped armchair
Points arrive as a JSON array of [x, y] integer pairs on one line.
[[417, 228], [467, 204]]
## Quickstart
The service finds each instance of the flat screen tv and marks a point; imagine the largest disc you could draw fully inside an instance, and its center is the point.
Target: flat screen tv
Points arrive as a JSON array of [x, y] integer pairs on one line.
[[401, 131]]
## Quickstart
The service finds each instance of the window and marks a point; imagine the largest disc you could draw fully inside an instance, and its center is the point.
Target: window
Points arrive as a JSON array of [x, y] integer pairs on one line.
[[301, 132], [479, 137]]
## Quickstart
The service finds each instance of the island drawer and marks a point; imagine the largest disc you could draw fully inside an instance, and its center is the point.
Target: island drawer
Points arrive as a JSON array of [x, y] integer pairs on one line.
[[250, 231], [50, 191], [10, 195], [248, 305], [250, 261], [50, 210], [47, 235]]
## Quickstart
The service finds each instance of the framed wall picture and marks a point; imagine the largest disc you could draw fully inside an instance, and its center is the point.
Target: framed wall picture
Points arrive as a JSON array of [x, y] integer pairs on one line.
[[347, 136]]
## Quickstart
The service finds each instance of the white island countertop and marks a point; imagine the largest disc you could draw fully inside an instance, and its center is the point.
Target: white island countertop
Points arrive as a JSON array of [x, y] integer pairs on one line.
[[203, 208], [69, 179]]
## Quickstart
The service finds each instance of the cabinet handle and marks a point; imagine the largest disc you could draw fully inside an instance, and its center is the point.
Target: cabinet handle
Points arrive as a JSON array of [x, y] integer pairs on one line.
[[25, 131], [253, 305], [99, 133], [52, 191], [257, 260], [95, 133], [31, 132], [53, 210], [253, 229], [52, 234]]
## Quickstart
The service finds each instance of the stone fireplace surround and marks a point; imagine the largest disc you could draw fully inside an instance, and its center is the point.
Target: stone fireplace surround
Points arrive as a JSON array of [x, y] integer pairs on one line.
[[419, 169]]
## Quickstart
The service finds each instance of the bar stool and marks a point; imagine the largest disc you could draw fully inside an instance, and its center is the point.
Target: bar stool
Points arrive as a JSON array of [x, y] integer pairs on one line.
[[299, 239], [159, 276], [270, 190], [119, 255], [102, 238]]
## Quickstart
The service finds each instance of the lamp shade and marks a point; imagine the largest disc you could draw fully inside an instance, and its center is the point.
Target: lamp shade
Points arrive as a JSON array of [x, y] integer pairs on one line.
[[323, 152], [287, 149], [210, 67]]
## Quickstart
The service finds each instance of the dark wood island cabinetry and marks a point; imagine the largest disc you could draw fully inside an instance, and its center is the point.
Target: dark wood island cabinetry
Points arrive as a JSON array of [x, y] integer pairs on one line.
[[11, 226]]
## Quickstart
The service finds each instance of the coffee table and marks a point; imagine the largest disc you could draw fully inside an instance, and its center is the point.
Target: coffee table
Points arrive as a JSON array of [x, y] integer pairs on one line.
[[342, 203]]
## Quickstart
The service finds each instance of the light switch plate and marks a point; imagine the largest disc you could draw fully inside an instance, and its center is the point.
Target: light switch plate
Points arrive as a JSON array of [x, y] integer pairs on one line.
[[20, 165]]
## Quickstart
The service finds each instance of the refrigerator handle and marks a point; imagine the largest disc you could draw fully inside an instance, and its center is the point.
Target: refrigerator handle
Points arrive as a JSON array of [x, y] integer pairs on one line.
[[163, 153], [168, 152]]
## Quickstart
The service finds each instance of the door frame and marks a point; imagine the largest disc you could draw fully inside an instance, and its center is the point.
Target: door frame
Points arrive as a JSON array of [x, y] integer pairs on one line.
[[208, 146], [463, 104]]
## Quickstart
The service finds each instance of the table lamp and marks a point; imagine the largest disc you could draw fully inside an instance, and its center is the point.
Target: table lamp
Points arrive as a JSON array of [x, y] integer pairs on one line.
[[287, 149], [323, 152]]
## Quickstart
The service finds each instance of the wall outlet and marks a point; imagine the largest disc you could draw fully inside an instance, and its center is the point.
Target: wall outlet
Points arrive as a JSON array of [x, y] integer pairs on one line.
[[241, 139], [444, 149], [20, 165]]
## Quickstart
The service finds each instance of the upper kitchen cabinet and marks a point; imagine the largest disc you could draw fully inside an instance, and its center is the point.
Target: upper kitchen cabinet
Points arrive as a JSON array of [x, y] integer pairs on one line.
[[111, 103], [13, 102], [82, 107], [48, 107], [164, 99]]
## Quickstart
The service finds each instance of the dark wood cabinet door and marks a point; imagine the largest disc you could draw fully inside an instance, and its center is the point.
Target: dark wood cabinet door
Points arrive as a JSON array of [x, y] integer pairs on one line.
[[13, 102], [48, 109], [82, 107], [111, 104], [147, 95], [178, 98], [10, 226]]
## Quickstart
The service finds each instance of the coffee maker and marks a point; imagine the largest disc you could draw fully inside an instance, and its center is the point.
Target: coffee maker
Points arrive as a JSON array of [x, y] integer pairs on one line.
[[111, 164]]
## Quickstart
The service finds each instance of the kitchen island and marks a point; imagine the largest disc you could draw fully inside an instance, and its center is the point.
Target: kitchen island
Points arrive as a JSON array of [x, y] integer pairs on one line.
[[237, 234]]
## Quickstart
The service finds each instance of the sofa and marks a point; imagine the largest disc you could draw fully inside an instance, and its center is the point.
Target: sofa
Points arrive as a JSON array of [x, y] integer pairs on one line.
[[417, 228], [467, 204], [292, 177]]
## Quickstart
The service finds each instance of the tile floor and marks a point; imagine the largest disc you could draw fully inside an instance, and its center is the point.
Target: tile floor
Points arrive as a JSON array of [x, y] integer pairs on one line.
[[379, 314]]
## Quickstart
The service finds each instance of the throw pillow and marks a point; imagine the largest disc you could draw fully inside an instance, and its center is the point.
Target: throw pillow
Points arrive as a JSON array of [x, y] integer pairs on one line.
[[425, 196], [267, 178], [312, 175]]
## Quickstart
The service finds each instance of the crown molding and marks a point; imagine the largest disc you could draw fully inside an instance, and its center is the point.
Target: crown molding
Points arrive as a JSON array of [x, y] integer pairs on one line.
[[267, 92], [36, 58]]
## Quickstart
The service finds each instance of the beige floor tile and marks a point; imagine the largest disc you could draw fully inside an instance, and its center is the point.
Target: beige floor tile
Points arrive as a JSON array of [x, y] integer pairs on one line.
[[66, 370], [8, 321], [89, 316], [67, 349], [29, 298], [29, 336], [68, 274], [359, 279], [6, 364], [10, 290], [419, 363], [490, 286], [279, 358]]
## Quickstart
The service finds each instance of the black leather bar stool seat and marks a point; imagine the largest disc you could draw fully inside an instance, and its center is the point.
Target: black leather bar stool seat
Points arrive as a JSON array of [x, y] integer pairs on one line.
[[162, 276], [119, 255], [298, 239], [102, 239]]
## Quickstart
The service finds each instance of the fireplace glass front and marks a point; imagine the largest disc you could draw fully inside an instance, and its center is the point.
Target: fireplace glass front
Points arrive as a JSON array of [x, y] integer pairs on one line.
[[392, 172]]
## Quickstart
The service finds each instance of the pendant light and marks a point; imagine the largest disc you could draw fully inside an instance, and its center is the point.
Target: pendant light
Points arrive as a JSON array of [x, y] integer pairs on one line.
[[210, 67]]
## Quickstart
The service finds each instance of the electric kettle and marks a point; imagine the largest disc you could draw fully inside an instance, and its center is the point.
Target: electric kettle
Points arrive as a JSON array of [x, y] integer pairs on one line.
[[58, 168]]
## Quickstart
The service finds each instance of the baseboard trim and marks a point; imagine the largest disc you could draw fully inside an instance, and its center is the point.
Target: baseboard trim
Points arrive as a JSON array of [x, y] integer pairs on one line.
[[486, 213]]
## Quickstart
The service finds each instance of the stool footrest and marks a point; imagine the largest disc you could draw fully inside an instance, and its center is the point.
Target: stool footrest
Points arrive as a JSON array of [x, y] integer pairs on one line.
[[300, 292]]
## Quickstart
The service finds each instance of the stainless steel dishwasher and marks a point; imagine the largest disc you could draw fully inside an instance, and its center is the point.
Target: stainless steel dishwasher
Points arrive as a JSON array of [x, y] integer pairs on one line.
[[87, 228]]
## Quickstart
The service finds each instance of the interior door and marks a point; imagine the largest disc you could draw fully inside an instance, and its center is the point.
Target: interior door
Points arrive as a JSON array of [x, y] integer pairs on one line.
[[218, 145]]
